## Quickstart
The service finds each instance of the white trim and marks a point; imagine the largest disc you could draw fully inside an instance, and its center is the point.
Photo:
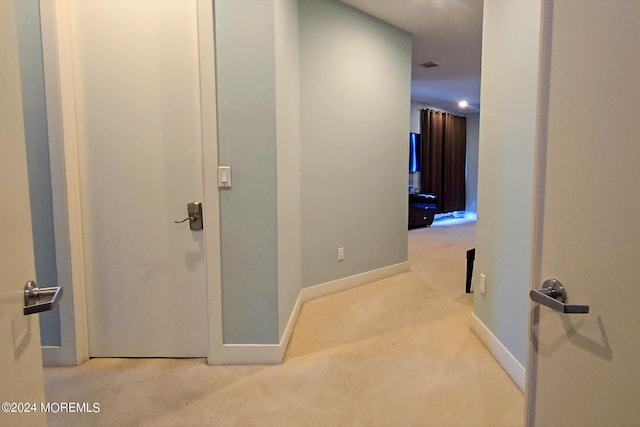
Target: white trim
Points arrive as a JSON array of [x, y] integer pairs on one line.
[[288, 330], [537, 217], [72, 168], [208, 112], [260, 354], [504, 357], [271, 354], [349, 282], [64, 354], [65, 180]]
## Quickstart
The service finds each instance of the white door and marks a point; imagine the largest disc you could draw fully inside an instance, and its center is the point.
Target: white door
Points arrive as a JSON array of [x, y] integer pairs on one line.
[[136, 74], [584, 368], [20, 358]]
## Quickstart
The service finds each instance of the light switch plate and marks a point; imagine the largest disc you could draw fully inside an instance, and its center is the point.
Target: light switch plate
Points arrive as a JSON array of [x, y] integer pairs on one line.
[[483, 284], [224, 176]]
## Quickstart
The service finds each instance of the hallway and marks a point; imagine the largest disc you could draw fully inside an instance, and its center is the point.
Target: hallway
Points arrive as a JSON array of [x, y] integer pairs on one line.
[[397, 352]]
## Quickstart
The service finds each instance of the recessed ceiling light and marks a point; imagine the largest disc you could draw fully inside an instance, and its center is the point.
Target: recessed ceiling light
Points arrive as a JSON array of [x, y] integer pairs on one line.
[[463, 104]]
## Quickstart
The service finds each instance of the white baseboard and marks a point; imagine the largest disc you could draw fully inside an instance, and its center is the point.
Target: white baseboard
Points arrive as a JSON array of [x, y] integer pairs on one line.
[[504, 357], [328, 288], [259, 354], [271, 354], [288, 330]]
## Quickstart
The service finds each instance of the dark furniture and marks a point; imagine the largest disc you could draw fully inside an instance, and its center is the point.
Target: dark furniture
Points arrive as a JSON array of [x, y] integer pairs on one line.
[[422, 208], [471, 257]]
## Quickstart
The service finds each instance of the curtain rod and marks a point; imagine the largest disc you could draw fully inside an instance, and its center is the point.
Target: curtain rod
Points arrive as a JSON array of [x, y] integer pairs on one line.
[[438, 111], [446, 112]]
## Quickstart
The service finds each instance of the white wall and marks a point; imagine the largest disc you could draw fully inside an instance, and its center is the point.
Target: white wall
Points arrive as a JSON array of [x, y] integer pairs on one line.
[[506, 163], [414, 121], [415, 127], [355, 96], [473, 146]]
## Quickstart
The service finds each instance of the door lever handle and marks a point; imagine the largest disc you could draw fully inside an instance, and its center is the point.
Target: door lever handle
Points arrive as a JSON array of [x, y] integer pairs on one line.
[[37, 300], [554, 295], [194, 212]]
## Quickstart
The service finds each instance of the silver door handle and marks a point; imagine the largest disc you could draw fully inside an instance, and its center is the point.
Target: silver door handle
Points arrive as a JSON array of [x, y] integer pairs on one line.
[[37, 300], [194, 212], [553, 295]]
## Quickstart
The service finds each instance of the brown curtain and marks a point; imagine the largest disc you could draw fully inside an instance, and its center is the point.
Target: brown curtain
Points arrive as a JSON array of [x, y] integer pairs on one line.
[[444, 139]]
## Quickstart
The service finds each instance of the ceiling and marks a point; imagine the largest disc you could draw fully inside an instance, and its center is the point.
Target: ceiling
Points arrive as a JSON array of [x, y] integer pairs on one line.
[[447, 32]]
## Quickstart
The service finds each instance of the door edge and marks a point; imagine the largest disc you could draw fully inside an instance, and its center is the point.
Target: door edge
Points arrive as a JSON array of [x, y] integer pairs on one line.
[[65, 178], [546, 17], [208, 114]]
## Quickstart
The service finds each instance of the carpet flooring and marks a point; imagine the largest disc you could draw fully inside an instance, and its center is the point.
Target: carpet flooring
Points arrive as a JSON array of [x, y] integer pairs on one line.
[[396, 352]]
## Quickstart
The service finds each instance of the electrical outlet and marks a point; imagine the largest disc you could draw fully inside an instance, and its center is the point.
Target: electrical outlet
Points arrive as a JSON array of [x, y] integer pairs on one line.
[[340, 253], [483, 284]]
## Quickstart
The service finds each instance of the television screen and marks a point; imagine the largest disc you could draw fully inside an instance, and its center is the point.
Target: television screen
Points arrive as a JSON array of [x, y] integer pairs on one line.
[[415, 145]]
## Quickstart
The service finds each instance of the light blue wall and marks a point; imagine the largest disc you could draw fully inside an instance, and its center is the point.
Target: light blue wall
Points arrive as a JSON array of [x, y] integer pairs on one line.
[[37, 141], [287, 53], [245, 71], [506, 165], [318, 150], [355, 94]]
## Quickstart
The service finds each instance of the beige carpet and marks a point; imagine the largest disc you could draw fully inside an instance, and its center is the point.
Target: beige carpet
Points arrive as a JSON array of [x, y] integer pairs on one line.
[[397, 352]]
